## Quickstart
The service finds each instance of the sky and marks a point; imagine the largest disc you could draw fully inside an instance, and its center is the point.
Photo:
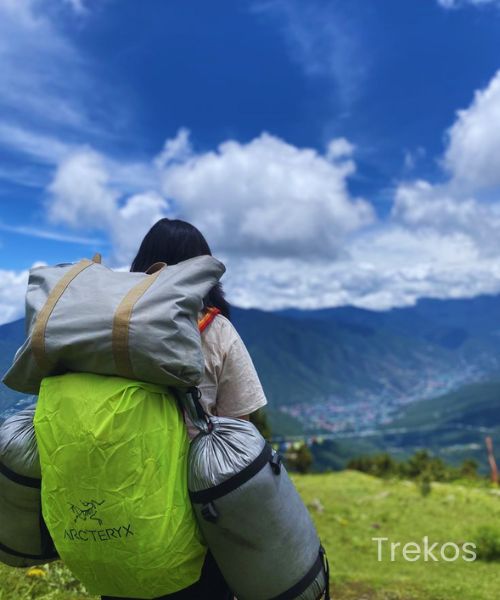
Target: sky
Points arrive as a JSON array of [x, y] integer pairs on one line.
[[332, 152]]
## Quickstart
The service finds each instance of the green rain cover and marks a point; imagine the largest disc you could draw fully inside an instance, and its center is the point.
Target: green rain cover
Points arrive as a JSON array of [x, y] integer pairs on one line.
[[113, 456]]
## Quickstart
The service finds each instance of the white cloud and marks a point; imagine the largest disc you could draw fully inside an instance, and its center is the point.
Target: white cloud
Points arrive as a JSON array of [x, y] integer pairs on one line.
[[43, 148], [391, 266], [84, 196], [77, 5], [176, 149], [264, 198], [465, 202], [447, 210], [45, 234], [48, 101], [80, 193], [268, 197], [474, 140], [41, 75], [458, 3], [322, 39], [132, 222], [285, 222], [13, 285]]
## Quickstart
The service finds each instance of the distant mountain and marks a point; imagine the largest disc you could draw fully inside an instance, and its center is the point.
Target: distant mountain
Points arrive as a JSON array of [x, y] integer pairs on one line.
[[342, 357], [11, 337], [309, 356], [468, 325]]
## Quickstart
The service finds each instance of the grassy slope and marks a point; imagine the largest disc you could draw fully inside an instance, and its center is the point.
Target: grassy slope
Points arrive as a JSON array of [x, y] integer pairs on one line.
[[356, 509]]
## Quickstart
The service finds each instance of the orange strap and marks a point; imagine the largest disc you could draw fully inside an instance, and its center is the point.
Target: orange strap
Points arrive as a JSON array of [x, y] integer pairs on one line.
[[207, 318]]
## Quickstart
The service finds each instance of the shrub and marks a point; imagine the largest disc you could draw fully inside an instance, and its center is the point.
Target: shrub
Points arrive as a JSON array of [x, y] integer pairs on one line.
[[487, 542]]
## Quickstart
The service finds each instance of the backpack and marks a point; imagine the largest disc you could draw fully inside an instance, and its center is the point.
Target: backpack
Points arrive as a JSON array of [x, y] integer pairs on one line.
[[113, 455], [113, 448], [87, 318], [24, 537]]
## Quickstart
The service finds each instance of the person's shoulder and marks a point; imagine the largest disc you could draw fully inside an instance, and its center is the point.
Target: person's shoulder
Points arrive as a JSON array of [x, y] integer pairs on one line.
[[220, 330]]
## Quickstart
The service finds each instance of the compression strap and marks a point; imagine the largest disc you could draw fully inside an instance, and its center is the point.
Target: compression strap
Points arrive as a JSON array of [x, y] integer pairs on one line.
[[207, 318]]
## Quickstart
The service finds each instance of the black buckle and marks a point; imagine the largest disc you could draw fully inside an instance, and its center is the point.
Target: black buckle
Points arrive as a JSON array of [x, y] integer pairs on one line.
[[275, 462], [209, 513]]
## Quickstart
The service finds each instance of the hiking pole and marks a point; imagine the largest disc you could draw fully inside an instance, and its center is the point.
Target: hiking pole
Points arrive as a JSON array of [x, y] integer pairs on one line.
[[491, 460]]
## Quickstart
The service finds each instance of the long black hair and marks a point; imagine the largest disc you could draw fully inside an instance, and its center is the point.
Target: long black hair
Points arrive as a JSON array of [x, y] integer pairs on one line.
[[172, 241]]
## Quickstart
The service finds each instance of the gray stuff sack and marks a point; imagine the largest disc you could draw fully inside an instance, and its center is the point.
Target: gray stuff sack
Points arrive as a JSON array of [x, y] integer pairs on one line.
[[87, 318], [252, 517], [24, 538]]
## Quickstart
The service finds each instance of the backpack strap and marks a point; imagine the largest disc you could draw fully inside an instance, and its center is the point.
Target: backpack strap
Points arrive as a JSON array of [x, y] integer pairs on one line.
[[207, 318]]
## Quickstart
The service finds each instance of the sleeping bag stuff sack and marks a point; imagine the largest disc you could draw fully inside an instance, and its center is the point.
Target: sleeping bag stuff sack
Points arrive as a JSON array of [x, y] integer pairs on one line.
[[113, 456], [251, 516], [24, 539], [87, 318]]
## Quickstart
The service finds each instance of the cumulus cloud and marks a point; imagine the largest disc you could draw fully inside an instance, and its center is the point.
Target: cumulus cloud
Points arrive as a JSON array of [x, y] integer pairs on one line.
[[263, 198], [284, 220], [466, 201], [474, 140], [132, 221], [13, 286], [84, 196], [390, 266], [456, 222], [80, 192], [444, 208], [292, 234], [267, 197]]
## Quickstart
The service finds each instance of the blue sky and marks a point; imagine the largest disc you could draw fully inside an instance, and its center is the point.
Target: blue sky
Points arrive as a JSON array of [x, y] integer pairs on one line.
[[332, 152]]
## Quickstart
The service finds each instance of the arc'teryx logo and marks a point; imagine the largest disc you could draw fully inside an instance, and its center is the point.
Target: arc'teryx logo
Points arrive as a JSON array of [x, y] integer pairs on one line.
[[88, 511]]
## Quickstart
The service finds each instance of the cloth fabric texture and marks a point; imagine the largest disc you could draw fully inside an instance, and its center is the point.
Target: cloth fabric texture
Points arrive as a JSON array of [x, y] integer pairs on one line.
[[230, 386]]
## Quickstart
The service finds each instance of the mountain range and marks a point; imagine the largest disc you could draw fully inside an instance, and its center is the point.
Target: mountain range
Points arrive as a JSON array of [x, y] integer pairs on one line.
[[346, 370]]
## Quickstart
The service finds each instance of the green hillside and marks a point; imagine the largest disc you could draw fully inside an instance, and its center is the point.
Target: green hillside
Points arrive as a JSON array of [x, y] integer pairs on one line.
[[476, 405], [310, 359], [453, 425], [350, 509]]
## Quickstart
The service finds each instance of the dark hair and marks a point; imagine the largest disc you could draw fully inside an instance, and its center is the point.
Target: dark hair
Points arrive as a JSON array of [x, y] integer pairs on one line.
[[172, 241]]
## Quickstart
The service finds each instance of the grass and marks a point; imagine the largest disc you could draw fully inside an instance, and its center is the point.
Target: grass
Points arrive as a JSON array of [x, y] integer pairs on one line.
[[349, 509]]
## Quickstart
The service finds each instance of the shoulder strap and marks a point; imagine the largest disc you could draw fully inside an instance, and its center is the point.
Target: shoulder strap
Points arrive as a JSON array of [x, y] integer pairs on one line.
[[207, 318]]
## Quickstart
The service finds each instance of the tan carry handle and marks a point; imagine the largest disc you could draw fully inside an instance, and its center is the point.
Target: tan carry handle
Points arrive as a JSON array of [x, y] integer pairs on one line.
[[157, 266], [38, 333], [121, 322]]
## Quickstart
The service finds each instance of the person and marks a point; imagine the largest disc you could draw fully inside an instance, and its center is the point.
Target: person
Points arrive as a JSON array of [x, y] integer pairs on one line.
[[230, 386]]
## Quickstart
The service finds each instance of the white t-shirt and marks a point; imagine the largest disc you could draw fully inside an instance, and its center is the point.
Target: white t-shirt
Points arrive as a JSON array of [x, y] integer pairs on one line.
[[230, 386]]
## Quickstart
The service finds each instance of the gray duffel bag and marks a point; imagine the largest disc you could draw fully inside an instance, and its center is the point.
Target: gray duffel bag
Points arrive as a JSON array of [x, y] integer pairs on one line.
[[87, 318], [24, 538], [251, 516]]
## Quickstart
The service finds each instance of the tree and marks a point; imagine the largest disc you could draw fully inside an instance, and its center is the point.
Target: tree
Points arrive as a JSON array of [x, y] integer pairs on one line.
[[469, 468], [303, 459]]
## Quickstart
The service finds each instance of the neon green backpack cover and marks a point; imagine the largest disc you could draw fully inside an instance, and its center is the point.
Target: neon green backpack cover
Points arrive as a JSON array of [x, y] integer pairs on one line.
[[113, 456]]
